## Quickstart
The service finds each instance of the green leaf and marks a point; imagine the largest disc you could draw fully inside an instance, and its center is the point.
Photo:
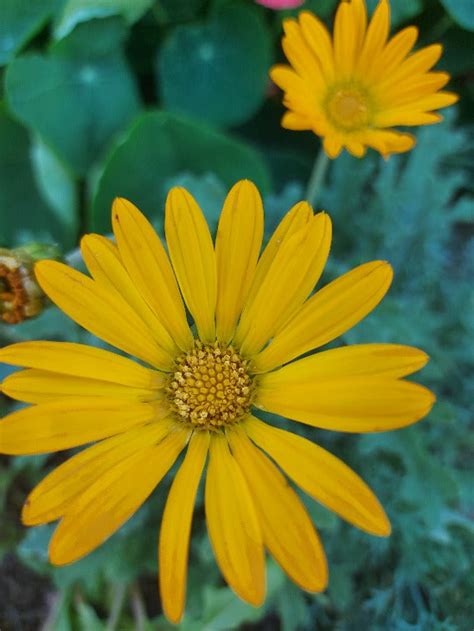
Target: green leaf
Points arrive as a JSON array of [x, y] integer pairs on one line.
[[462, 11], [87, 618], [56, 185], [19, 22], [455, 42], [218, 70], [291, 608], [77, 11], [79, 95], [24, 214], [157, 147]]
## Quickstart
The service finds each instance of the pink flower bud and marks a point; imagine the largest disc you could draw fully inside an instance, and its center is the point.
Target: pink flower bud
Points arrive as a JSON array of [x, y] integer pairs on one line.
[[280, 4]]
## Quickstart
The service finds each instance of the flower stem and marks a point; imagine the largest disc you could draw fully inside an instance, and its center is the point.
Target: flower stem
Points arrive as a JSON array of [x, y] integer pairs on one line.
[[118, 597], [138, 607], [316, 179]]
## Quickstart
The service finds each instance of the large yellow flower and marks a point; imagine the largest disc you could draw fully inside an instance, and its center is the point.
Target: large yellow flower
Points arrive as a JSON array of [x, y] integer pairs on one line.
[[197, 386], [353, 89]]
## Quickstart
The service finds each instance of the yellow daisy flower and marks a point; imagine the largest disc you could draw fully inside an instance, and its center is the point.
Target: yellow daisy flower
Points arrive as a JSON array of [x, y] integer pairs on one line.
[[354, 88], [196, 387]]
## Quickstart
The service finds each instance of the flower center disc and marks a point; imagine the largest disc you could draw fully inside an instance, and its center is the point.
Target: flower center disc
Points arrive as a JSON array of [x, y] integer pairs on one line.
[[348, 109], [211, 386]]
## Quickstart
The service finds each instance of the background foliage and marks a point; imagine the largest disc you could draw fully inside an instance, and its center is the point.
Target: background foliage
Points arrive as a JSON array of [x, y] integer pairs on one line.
[[112, 97]]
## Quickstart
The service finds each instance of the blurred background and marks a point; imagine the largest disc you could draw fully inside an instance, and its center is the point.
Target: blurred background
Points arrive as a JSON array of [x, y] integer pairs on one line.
[[101, 98]]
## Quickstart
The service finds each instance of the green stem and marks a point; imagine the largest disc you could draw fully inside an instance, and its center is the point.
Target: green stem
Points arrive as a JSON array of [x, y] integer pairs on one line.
[[138, 608], [118, 597], [316, 179]]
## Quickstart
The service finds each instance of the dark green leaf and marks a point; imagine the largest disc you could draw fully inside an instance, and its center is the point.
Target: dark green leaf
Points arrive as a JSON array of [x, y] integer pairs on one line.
[[157, 147], [216, 71], [19, 21], [79, 95], [77, 11], [24, 214], [462, 11]]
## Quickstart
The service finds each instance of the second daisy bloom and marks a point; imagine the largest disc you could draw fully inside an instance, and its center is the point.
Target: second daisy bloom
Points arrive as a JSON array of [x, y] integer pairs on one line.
[[354, 87]]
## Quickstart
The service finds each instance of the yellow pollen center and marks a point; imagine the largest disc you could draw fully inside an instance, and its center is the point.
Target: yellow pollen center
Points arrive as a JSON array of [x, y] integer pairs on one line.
[[348, 109], [211, 386]]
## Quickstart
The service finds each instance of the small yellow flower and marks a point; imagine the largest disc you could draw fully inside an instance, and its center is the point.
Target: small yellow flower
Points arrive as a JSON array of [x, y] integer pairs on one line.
[[352, 90], [196, 389]]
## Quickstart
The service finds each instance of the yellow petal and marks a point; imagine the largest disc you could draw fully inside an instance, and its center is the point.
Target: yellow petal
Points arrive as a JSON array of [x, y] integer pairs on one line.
[[392, 118], [104, 264], [300, 55], [417, 63], [176, 528], [100, 311], [40, 386], [323, 476], [146, 261], [432, 102], [287, 79], [388, 142], [296, 122], [286, 527], [290, 278], [75, 421], [397, 48], [380, 360], [329, 313], [332, 146], [351, 404], [192, 254], [112, 499], [413, 89], [375, 39], [295, 219], [238, 243], [51, 498], [359, 16], [344, 40], [81, 361], [233, 526], [319, 40]]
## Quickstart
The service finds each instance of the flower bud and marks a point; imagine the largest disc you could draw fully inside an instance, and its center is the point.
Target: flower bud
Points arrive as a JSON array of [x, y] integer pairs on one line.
[[20, 295]]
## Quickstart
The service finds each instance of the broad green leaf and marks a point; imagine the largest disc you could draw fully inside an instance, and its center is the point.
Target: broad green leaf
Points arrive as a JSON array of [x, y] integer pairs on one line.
[[76, 11], [77, 96], [462, 11], [20, 20], [160, 145], [218, 70], [24, 214]]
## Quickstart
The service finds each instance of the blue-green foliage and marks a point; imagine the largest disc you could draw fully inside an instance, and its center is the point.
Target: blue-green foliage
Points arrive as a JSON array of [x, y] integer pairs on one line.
[[104, 98]]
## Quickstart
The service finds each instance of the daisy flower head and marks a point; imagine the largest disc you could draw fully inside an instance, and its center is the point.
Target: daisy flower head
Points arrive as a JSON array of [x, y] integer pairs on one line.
[[353, 88], [196, 390]]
